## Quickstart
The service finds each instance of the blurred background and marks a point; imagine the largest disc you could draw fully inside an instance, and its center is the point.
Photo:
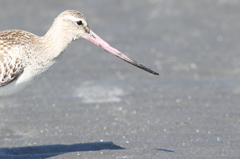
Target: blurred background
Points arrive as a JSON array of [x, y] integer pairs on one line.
[[93, 105]]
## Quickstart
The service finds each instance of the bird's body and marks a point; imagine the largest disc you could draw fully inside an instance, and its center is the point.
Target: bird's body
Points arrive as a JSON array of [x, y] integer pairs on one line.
[[22, 59], [24, 56], [16, 64]]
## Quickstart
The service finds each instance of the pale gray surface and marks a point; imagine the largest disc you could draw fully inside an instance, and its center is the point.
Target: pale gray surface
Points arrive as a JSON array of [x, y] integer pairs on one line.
[[93, 105]]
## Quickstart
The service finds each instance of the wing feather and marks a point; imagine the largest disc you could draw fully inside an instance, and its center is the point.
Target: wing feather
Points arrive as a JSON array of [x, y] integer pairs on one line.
[[14, 52], [10, 70]]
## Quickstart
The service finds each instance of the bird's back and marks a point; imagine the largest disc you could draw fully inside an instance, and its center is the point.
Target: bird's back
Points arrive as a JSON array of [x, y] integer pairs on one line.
[[11, 38], [14, 45]]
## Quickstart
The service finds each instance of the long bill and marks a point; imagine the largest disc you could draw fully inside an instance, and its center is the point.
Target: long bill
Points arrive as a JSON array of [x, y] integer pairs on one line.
[[94, 38]]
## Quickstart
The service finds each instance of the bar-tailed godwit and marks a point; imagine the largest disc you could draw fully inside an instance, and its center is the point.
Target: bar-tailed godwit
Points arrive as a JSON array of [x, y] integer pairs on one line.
[[24, 56]]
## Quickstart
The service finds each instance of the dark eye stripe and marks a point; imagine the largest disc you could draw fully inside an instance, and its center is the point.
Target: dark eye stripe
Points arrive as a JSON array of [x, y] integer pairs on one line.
[[79, 22]]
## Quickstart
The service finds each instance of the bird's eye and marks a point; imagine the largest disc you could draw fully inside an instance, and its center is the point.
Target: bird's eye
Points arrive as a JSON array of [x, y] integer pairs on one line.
[[79, 22]]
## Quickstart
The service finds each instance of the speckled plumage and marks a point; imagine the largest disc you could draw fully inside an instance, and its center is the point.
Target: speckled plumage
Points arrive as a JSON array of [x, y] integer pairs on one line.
[[24, 56], [12, 60]]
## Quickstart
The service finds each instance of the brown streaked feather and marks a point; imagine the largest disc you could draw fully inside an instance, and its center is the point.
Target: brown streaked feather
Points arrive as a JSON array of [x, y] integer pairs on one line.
[[10, 70], [11, 66]]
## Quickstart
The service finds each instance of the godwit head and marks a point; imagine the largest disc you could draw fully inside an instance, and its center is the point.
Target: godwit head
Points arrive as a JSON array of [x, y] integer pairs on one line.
[[76, 27], [24, 56], [73, 24]]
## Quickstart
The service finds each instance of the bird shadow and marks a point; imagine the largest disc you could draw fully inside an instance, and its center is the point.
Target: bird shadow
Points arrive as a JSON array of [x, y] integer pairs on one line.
[[165, 150], [46, 151]]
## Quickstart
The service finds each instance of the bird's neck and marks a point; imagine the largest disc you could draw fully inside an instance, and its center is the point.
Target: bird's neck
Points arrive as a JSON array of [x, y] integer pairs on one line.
[[55, 41]]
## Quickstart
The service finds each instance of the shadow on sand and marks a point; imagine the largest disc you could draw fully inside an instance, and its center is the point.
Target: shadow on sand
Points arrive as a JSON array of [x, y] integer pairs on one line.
[[45, 151], [165, 150]]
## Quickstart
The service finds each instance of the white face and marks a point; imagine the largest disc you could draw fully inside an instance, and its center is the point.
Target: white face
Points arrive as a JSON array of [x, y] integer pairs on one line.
[[75, 25]]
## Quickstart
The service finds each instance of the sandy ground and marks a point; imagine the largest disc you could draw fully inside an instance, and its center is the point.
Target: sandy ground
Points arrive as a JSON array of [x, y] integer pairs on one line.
[[93, 105]]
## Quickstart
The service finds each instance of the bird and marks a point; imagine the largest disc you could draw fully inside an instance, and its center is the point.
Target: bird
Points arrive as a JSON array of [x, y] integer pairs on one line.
[[24, 56]]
